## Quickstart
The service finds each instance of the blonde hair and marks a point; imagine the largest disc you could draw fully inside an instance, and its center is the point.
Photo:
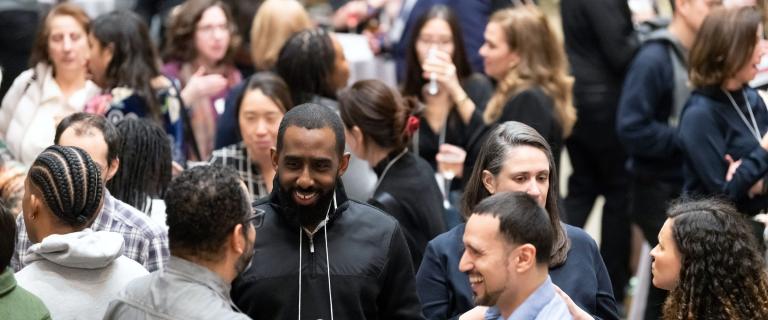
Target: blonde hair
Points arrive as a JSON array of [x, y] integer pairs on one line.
[[542, 63], [273, 24]]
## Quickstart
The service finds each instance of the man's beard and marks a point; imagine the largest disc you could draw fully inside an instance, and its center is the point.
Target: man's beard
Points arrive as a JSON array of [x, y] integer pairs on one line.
[[487, 299], [245, 260], [306, 216]]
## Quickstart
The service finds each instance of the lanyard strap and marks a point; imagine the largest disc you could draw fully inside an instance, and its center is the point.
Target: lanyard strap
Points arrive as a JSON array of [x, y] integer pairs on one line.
[[389, 165], [754, 129]]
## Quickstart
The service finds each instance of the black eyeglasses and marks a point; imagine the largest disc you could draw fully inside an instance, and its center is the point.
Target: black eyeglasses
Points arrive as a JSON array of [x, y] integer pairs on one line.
[[255, 217]]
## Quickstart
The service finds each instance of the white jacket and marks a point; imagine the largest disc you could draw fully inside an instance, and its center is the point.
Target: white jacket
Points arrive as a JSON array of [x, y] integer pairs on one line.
[[33, 107], [77, 274]]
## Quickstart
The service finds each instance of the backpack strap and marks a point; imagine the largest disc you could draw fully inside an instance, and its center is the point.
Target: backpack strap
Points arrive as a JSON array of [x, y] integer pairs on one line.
[[677, 55]]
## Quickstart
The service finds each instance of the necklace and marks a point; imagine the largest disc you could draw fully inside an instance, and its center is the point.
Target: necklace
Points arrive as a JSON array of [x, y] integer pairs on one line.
[[386, 169], [753, 128]]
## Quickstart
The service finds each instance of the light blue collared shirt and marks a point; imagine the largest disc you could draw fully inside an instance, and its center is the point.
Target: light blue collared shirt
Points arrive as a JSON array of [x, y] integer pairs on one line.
[[542, 304]]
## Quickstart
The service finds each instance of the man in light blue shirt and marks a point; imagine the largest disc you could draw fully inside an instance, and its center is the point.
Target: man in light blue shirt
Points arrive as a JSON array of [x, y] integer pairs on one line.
[[508, 240]]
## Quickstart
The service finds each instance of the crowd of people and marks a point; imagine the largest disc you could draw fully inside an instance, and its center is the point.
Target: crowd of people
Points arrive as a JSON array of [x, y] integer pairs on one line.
[[219, 164]]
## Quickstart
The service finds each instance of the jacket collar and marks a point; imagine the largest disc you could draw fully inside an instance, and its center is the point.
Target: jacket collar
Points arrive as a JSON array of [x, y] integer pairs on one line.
[[196, 273], [716, 93], [342, 202]]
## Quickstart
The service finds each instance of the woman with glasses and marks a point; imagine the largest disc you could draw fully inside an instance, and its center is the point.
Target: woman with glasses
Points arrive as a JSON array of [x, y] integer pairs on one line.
[[202, 41], [438, 74]]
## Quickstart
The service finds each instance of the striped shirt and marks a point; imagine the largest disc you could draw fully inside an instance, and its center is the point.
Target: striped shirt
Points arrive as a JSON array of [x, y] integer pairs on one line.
[[146, 242], [236, 156]]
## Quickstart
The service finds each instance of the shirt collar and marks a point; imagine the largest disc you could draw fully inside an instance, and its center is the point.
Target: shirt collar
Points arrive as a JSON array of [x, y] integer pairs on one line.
[[198, 274], [532, 305]]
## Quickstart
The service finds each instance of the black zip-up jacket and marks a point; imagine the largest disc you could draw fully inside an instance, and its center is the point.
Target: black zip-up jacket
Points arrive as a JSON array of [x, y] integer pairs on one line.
[[371, 276]]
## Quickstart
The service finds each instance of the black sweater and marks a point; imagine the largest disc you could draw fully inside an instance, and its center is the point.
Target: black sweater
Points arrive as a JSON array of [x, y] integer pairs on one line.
[[409, 192]]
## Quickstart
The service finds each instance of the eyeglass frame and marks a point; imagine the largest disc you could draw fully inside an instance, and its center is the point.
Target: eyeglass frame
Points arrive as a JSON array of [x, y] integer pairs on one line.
[[255, 217]]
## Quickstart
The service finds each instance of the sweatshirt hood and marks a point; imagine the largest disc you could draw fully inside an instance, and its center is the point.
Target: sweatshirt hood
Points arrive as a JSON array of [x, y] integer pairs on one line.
[[84, 249]]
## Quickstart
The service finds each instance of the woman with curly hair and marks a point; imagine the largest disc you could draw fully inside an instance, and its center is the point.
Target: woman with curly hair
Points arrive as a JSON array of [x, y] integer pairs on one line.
[[706, 258]]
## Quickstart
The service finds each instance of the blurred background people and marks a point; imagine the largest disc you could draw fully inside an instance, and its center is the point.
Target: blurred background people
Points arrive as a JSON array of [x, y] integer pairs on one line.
[[259, 110], [17, 17], [725, 120], [273, 24], [523, 54], [600, 42], [199, 51], [125, 64], [55, 86], [452, 113]]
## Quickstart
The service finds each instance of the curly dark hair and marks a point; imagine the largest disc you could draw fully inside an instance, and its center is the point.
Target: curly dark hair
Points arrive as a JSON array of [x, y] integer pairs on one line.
[[203, 205], [722, 274], [182, 27]]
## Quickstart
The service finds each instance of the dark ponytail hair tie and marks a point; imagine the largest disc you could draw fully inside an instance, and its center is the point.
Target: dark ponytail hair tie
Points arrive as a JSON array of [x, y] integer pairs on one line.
[[411, 125]]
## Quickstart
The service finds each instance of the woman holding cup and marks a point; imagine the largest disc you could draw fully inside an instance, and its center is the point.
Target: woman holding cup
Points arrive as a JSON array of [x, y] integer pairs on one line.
[[439, 75]]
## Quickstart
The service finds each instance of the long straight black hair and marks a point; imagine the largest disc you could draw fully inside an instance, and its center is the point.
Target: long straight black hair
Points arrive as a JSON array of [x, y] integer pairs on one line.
[[135, 61]]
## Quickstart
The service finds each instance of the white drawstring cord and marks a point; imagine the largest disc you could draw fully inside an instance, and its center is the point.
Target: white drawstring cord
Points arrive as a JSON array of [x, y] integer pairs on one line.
[[300, 253], [328, 266], [327, 259]]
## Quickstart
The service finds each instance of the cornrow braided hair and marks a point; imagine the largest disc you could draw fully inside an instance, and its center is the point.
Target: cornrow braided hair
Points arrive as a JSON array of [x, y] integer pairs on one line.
[[70, 183]]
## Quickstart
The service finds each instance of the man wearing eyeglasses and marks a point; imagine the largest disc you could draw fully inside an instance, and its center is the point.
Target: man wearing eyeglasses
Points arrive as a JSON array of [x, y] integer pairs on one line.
[[212, 230]]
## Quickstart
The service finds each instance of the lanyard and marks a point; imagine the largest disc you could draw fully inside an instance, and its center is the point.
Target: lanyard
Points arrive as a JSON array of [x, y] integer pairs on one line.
[[389, 165], [753, 128]]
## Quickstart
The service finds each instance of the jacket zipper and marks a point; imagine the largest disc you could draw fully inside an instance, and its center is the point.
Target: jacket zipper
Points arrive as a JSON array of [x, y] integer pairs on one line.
[[311, 264]]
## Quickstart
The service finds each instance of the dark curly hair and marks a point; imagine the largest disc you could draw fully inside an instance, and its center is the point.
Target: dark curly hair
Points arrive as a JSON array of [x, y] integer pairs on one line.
[[203, 205], [70, 184], [722, 274], [183, 25]]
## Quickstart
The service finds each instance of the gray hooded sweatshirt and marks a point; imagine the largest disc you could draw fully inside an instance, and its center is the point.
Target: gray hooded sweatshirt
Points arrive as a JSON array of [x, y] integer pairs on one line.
[[77, 274]]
